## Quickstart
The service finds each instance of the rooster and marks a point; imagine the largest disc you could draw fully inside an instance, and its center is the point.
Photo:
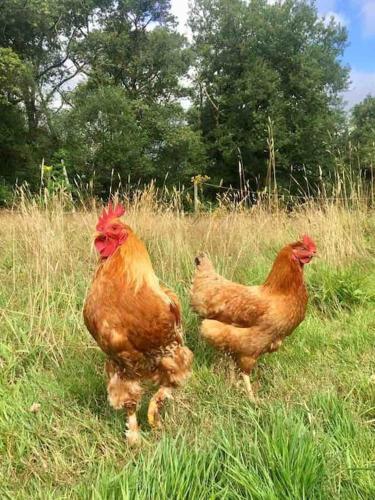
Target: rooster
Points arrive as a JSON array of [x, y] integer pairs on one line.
[[248, 321], [135, 321]]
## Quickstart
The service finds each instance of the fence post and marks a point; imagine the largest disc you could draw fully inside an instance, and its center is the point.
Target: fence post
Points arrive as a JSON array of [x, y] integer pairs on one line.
[[196, 199]]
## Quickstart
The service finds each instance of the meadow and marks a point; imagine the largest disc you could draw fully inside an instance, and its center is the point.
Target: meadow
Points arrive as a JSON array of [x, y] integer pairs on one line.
[[311, 435]]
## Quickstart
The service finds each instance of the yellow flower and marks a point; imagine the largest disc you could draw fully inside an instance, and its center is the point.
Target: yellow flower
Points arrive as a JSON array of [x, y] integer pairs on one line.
[[200, 179]]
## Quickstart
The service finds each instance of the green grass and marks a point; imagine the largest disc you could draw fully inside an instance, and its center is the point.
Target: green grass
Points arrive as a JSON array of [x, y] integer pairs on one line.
[[310, 437]]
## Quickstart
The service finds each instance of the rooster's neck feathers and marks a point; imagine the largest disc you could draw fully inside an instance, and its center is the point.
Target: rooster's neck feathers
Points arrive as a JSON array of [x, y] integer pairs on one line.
[[136, 263], [132, 262]]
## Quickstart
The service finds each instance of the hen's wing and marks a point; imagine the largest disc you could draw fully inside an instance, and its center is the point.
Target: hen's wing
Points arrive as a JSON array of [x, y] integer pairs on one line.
[[215, 297]]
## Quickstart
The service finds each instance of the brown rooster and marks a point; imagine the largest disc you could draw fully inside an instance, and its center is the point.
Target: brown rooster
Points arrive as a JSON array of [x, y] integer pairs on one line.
[[135, 321], [248, 321]]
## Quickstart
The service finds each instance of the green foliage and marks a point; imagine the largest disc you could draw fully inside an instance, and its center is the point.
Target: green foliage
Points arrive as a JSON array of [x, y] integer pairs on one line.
[[333, 290], [363, 133], [6, 193], [125, 121], [15, 153], [261, 79], [13, 74], [108, 136], [36, 41], [256, 61]]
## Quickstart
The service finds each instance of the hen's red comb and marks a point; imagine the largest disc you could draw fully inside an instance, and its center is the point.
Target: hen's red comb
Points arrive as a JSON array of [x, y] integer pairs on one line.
[[112, 212], [308, 243]]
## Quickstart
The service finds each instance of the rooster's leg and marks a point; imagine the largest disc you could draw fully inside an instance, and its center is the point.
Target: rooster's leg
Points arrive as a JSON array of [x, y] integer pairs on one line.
[[156, 404], [126, 394], [132, 434], [249, 389]]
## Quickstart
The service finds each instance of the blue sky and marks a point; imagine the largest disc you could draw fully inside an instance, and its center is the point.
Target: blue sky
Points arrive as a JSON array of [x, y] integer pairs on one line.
[[359, 18]]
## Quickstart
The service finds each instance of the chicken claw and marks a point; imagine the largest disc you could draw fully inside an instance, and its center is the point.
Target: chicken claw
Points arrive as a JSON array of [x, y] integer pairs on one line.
[[248, 388], [153, 415], [133, 435], [156, 404]]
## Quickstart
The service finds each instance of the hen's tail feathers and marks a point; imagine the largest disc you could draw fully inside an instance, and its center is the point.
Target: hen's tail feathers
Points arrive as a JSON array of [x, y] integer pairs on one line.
[[223, 336], [203, 263]]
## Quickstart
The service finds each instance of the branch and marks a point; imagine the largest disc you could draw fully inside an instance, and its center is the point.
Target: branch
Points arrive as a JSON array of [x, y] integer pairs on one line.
[[59, 63], [215, 106], [64, 80], [63, 99]]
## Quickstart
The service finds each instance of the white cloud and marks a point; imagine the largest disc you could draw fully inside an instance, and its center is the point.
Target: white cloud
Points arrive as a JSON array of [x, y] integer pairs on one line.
[[329, 9], [362, 84], [368, 15], [339, 18]]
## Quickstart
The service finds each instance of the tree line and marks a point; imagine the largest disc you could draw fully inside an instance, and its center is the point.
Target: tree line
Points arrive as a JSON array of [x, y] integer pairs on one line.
[[103, 90]]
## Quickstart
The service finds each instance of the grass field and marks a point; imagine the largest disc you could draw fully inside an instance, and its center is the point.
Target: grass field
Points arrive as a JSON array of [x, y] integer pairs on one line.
[[310, 437]]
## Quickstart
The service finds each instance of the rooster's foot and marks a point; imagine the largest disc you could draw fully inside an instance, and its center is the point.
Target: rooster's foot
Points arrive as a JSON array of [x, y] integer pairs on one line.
[[156, 403], [153, 415], [133, 438], [132, 434]]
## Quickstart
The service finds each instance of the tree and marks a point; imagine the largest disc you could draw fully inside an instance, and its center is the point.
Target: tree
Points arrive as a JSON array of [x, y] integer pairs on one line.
[[109, 137], [43, 34], [255, 62], [126, 118], [363, 132], [14, 151]]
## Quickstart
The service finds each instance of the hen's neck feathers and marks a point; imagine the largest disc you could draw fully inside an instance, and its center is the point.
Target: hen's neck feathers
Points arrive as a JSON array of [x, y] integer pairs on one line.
[[286, 275]]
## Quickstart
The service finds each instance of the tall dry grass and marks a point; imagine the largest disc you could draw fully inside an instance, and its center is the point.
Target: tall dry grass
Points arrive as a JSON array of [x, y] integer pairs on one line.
[[48, 246], [318, 385]]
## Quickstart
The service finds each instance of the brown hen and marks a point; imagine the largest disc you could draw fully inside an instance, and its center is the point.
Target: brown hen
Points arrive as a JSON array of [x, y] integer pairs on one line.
[[248, 321]]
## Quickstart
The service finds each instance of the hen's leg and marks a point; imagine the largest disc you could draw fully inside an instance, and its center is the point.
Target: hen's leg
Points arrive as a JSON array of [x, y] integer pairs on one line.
[[274, 346], [247, 363], [155, 406], [248, 388], [126, 394]]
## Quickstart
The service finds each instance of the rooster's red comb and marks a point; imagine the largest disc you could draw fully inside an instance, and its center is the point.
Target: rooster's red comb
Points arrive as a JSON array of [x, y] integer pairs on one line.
[[112, 212], [308, 243]]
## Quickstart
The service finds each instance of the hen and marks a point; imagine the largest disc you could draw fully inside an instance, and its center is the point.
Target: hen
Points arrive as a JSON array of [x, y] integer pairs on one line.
[[135, 321], [248, 321]]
